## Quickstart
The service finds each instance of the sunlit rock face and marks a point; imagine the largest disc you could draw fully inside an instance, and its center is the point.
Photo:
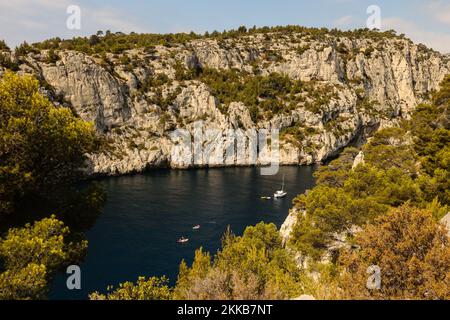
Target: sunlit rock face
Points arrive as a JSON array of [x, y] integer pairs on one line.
[[368, 83], [446, 222]]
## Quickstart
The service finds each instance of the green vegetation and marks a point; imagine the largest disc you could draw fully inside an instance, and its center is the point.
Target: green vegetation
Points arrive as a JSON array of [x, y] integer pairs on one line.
[[297, 136], [390, 177], [417, 269], [52, 57], [412, 251], [157, 81], [25, 48], [298, 132], [370, 107], [254, 266], [119, 42], [265, 96], [260, 94], [144, 289], [164, 101], [396, 196], [5, 57], [31, 255], [430, 127], [42, 148], [3, 46], [302, 49]]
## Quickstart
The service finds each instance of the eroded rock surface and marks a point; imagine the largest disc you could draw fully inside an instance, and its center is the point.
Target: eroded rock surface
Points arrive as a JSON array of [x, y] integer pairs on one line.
[[368, 84]]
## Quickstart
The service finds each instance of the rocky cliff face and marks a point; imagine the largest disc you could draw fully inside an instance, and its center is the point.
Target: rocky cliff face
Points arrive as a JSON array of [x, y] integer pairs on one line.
[[350, 87]]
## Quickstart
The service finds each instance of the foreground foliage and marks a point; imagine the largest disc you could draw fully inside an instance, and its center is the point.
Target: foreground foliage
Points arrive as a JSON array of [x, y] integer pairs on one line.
[[409, 164], [42, 148], [252, 267], [31, 255], [412, 252], [144, 289]]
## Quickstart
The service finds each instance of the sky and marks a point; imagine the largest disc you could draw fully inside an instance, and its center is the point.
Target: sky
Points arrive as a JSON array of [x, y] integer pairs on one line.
[[424, 21]]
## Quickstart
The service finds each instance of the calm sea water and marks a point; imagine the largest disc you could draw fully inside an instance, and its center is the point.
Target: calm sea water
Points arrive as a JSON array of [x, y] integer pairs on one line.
[[146, 214]]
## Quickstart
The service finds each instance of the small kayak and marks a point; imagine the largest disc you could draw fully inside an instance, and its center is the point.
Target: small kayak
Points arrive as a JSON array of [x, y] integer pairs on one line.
[[183, 240], [197, 227]]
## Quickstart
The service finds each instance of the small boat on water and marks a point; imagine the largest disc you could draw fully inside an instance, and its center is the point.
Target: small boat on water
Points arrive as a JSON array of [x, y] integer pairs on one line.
[[197, 227], [266, 198], [280, 193], [183, 240]]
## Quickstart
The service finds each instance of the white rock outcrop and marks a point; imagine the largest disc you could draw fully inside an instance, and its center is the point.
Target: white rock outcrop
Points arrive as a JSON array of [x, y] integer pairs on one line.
[[446, 222], [358, 160]]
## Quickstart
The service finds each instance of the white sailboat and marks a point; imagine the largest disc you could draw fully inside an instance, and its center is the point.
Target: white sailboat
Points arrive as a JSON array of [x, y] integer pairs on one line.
[[280, 193]]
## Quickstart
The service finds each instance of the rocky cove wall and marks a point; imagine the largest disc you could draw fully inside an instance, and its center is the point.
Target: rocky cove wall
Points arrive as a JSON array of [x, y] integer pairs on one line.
[[374, 84]]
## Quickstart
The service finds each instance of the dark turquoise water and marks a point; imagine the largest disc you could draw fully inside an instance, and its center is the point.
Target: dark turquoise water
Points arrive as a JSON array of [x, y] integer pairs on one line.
[[146, 214]]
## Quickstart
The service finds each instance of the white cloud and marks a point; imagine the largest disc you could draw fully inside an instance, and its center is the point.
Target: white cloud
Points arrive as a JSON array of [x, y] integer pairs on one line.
[[437, 40], [36, 20], [439, 11], [108, 18], [18, 8], [344, 21]]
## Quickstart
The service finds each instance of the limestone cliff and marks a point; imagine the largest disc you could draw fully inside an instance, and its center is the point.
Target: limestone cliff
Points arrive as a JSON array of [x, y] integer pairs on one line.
[[350, 87]]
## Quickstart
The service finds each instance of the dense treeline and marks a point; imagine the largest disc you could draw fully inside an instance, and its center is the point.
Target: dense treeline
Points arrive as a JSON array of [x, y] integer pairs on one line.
[[119, 42], [3, 46]]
